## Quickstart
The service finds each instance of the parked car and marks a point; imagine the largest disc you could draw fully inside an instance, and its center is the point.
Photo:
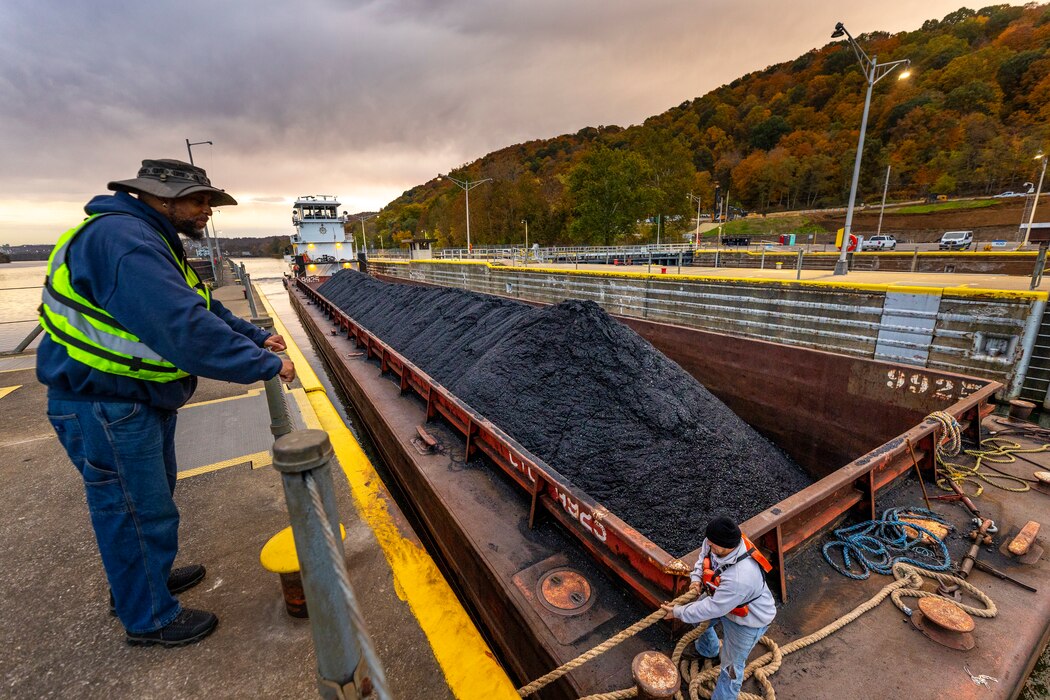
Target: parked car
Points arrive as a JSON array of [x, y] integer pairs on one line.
[[880, 242], [1009, 194], [956, 240]]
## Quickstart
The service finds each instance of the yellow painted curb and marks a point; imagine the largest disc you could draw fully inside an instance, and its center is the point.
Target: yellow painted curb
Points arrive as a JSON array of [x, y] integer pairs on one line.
[[767, 281], [4, 391], [470, 668]]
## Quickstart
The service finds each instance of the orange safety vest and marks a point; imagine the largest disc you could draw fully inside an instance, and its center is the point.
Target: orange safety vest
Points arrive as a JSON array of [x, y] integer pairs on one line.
[[712, 577]]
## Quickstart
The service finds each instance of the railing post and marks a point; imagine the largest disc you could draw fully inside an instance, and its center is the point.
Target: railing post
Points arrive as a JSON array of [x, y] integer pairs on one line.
[[246, 280], [25, 341], [347, 666], [1040, 265], [798, 266]]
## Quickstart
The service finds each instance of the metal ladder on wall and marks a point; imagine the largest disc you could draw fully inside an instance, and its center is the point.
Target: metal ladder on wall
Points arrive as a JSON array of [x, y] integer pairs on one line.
[[1037, 378]]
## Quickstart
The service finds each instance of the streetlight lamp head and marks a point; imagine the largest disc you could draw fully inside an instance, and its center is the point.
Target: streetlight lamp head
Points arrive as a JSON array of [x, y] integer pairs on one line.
[[839, 31], [905, 74], [1040, 156]]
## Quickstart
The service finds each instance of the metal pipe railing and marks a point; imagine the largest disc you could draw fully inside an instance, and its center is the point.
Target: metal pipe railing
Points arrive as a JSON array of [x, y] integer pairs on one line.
[[280, 421], [347, 664], [249, 294]]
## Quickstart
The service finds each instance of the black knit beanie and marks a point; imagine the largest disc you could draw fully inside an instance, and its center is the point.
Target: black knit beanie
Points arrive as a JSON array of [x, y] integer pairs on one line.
[[723, 532]]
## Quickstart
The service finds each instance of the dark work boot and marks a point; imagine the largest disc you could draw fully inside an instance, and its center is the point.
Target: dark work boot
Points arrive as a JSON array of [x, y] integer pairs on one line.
[[179, 580], [185, 578], [189, 626]]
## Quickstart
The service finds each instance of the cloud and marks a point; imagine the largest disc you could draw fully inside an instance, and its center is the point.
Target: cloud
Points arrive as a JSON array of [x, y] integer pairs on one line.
[[360, 99]]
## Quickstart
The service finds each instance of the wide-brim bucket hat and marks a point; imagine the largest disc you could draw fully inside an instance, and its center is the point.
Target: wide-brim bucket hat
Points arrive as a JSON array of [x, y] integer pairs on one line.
[[171, 179]]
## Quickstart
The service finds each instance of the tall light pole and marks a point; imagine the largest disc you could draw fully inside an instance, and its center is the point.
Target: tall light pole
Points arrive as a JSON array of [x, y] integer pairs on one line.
[[363, 219], [873, 73], [467, 186], [526, 222], [215, 269], [1035, 202], [696, 238]]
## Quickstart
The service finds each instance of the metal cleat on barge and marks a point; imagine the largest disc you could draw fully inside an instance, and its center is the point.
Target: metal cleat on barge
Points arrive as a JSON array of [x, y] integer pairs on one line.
[[550, 572], [320, 245]]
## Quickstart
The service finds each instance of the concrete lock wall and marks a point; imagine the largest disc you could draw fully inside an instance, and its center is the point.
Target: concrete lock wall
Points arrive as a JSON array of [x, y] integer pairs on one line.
[[978, 332]]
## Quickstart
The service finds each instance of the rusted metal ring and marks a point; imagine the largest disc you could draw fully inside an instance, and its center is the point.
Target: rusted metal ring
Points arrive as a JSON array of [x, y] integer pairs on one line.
[[565, 591]]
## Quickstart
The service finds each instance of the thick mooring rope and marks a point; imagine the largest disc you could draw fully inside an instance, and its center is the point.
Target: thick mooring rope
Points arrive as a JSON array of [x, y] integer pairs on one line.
[[644, 623], [908, 581]]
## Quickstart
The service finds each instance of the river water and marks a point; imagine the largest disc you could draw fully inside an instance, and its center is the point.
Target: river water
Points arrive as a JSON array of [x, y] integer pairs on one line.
[[21, 282]]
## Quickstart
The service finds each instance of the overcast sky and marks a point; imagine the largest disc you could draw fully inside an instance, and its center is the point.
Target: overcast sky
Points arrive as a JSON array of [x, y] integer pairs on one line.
[[358, 99]]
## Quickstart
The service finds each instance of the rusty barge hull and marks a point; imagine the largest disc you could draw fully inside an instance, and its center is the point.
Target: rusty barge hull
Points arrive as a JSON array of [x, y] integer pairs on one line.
[[480, 522]]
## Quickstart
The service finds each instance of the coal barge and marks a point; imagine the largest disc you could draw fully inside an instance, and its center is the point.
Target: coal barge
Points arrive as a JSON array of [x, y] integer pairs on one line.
[[549, 573]]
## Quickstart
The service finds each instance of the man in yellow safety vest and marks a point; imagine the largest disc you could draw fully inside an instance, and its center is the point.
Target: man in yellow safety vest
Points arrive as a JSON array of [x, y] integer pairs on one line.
[[129, 327]]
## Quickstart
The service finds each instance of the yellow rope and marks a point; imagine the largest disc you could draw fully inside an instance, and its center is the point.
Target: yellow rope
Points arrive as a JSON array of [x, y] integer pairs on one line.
[[908, 581], [999, 451]]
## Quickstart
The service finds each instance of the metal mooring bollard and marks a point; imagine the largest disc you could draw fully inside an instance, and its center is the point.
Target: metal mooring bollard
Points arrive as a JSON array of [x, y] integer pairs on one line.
[[347, 665], [655, 676]]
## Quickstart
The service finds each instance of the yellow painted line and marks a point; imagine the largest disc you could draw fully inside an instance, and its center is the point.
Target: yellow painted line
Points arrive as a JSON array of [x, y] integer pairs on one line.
[[307, 411], [19, 369], [306, 375], [470, 667], [5, 390], [258, 459], [1004, 294], [246, 395]]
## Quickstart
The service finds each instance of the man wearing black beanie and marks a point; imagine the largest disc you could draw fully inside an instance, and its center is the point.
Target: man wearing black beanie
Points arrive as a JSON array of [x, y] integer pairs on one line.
[[731, 571]]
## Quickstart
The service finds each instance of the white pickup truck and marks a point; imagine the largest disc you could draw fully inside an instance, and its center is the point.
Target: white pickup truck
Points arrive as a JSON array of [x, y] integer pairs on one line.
[[880, 242]]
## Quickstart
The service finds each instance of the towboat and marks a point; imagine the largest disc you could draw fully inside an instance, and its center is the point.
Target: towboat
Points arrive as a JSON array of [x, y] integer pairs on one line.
[[320, 245]]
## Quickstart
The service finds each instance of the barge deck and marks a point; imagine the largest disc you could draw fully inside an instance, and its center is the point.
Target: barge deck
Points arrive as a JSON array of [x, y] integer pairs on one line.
[[473, 514]]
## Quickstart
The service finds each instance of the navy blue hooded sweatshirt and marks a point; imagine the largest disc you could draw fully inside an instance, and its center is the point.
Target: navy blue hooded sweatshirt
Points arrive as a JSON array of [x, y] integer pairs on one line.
[[123, 266]]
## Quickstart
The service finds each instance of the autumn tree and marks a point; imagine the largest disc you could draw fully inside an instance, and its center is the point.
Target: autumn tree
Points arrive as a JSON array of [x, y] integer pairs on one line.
[[610, 190]]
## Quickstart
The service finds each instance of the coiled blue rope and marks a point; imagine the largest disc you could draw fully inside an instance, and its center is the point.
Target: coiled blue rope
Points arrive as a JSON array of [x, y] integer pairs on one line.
[[876, 545]]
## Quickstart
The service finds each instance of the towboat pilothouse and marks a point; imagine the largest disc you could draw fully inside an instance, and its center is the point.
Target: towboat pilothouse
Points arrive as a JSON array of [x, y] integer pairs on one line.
[[320, 245]]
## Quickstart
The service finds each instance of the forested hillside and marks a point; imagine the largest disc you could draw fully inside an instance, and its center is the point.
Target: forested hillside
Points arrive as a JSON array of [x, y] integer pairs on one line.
[[968, 121]]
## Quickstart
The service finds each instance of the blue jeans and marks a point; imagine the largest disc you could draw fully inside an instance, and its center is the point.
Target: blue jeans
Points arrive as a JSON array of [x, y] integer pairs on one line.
[[125, 452], [738, 641]]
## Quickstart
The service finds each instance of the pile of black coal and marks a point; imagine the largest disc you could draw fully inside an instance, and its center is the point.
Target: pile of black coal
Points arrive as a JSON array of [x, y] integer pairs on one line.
[[588, 396]]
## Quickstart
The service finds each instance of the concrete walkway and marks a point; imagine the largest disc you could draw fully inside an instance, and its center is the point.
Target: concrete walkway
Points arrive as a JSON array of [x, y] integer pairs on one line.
[[58, 638]]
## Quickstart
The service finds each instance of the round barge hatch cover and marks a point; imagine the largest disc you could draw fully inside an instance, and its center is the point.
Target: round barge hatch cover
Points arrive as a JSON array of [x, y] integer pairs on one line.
[[565, 591]]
